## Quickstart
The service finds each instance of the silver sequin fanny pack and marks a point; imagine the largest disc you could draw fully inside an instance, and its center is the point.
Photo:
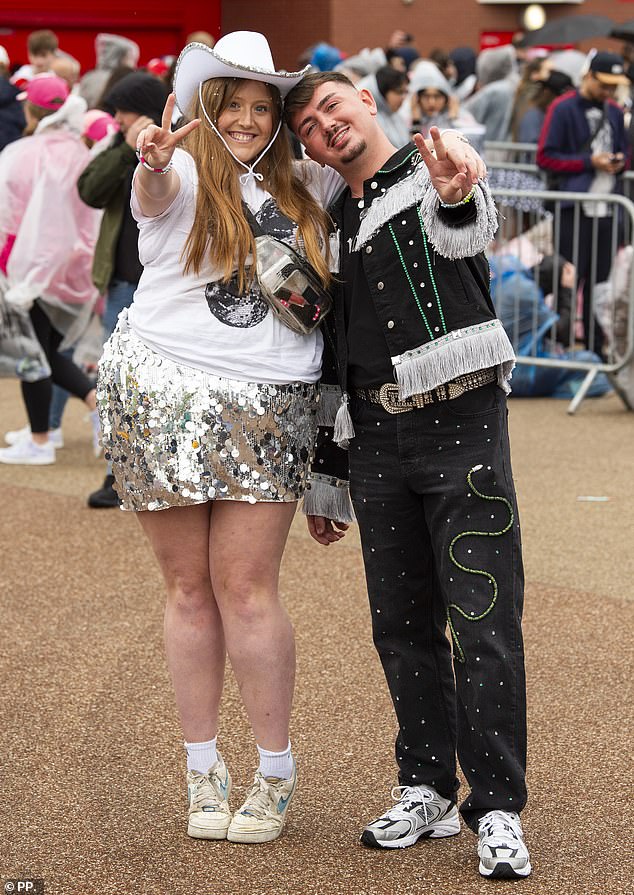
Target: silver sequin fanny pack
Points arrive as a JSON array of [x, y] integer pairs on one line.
[[290, 285]]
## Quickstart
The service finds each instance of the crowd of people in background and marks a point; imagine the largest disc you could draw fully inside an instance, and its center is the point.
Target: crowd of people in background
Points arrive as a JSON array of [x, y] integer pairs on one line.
[[86, 125]]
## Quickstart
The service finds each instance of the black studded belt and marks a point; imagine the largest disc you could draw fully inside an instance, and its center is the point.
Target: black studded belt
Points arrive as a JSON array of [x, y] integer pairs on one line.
[[387, 395]]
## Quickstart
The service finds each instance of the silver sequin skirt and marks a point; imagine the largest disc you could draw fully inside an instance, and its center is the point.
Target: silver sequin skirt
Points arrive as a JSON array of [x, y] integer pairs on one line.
[[177, 436]]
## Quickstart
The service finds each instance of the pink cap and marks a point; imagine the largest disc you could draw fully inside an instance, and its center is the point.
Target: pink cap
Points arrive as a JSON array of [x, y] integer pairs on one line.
[[98, 124], [46, 91]]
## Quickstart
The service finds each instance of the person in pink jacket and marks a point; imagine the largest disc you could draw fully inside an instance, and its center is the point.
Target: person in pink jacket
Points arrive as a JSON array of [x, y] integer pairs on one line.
[[47, 239]]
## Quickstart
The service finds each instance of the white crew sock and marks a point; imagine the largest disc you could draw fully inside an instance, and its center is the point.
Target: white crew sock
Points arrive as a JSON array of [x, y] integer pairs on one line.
[[276, 764], [201, 756]]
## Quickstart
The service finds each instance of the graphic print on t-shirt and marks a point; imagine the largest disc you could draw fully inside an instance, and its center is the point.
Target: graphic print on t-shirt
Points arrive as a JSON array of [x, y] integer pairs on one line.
[[230, 306], [249, 308]]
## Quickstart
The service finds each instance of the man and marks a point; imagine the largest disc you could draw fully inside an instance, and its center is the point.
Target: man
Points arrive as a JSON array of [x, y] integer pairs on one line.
[[137, 101], [583, 146], [419, 358], [41, 49]]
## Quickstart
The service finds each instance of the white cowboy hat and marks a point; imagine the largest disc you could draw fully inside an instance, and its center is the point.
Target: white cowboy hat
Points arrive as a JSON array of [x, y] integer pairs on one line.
[[241, 54]]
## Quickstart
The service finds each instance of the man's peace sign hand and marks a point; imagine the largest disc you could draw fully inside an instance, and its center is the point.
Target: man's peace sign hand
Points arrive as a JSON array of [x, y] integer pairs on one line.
[[454, 166]]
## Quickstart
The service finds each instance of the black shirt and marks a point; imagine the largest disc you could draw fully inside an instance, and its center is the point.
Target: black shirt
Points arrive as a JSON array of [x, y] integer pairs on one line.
[[369, 363], [127, 266]]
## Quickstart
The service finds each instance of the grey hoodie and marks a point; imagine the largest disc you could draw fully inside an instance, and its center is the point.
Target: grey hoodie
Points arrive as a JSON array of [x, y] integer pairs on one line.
[[492, 105], [111, 50], [391, 123]]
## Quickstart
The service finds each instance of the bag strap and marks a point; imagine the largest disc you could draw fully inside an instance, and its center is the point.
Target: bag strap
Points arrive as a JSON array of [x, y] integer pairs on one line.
[[587, 143], [252, 221]]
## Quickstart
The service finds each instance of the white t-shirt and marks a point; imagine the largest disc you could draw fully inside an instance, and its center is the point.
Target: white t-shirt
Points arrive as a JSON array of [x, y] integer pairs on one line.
[[194, 319]]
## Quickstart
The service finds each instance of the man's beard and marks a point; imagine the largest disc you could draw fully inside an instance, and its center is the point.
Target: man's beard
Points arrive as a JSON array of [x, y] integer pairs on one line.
[[353, 153]]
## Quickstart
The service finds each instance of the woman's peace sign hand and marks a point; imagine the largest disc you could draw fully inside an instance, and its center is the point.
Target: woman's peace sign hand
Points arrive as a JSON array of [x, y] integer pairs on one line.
[[157, 144]]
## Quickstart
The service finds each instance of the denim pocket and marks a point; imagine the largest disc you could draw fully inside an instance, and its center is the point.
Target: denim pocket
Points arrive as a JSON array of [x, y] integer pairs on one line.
[[480, 402]]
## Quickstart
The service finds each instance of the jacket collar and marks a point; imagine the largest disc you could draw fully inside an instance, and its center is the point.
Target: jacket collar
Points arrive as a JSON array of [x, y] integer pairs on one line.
[[389, 172], [397, 161]]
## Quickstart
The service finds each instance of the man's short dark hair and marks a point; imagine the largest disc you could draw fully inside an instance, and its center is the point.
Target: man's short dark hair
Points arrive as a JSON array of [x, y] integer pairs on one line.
[[388, 78], [41, 42], [302, 93]]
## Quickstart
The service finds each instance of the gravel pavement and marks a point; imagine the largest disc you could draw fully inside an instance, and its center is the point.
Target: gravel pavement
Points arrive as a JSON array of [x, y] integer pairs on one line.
[[92, 769]]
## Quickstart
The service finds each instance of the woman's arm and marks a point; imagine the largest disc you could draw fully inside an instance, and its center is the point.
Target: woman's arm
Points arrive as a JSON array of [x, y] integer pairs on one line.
[[156, 185]]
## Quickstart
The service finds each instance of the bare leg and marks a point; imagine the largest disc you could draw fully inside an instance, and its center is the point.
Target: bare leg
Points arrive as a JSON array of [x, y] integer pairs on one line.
[[246, 546], [194, 641]]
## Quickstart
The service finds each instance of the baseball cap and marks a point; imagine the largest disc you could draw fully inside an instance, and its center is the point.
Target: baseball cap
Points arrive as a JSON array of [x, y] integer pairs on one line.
[[46, 91], [558, 82], [98, 124], [608, 68]]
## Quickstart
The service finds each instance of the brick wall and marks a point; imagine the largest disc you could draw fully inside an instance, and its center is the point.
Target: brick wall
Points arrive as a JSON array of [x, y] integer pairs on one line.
[[289, 26], [293, 25]]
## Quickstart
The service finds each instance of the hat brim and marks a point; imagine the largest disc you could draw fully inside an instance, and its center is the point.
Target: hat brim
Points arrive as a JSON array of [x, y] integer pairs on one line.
[[611, 80], [198, 63]]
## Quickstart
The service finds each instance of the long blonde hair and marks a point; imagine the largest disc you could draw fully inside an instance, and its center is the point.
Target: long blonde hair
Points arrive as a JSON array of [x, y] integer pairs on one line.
[[221, 233]]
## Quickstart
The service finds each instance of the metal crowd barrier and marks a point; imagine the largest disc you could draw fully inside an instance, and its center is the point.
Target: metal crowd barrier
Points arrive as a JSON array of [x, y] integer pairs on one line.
[[534, 224], [521, 157], [512, 156]]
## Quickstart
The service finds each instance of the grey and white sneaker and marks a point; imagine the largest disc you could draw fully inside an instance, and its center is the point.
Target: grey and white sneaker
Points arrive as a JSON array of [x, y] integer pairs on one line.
[[419, 813], [501, 847], [208, 802]]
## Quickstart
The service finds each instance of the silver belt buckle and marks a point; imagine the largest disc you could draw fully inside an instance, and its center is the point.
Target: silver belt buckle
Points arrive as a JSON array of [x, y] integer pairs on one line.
[[455, 389], [388, 396]]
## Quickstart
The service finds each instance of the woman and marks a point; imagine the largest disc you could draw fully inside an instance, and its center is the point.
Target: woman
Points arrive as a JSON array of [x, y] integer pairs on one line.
[[530, 124], [433, 102], [208, 407], [47, 240]]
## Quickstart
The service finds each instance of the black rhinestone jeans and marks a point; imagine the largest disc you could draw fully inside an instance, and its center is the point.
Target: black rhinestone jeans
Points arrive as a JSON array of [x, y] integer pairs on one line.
[[434, 497]]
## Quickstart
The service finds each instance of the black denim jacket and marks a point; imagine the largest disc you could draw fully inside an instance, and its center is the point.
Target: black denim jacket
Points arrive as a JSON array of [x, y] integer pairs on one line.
[[425, 301]]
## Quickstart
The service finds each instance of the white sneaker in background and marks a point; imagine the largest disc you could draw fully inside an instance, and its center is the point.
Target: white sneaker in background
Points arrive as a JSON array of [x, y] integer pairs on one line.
[[27, 453], [17, 435], [55, 436], [501, 848]]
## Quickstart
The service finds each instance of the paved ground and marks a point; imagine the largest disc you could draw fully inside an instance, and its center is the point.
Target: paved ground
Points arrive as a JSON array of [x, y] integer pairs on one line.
[[92, 797]]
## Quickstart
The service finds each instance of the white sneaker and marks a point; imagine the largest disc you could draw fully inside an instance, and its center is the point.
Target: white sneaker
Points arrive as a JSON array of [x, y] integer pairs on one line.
[[419, 813], [261, 818], [55, 436], [28, 453], [208, 802], [501, 847]]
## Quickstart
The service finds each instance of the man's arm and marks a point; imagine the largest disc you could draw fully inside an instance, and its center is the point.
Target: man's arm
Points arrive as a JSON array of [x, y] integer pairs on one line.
[[457, 209], [554, 150], [327, 504]]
